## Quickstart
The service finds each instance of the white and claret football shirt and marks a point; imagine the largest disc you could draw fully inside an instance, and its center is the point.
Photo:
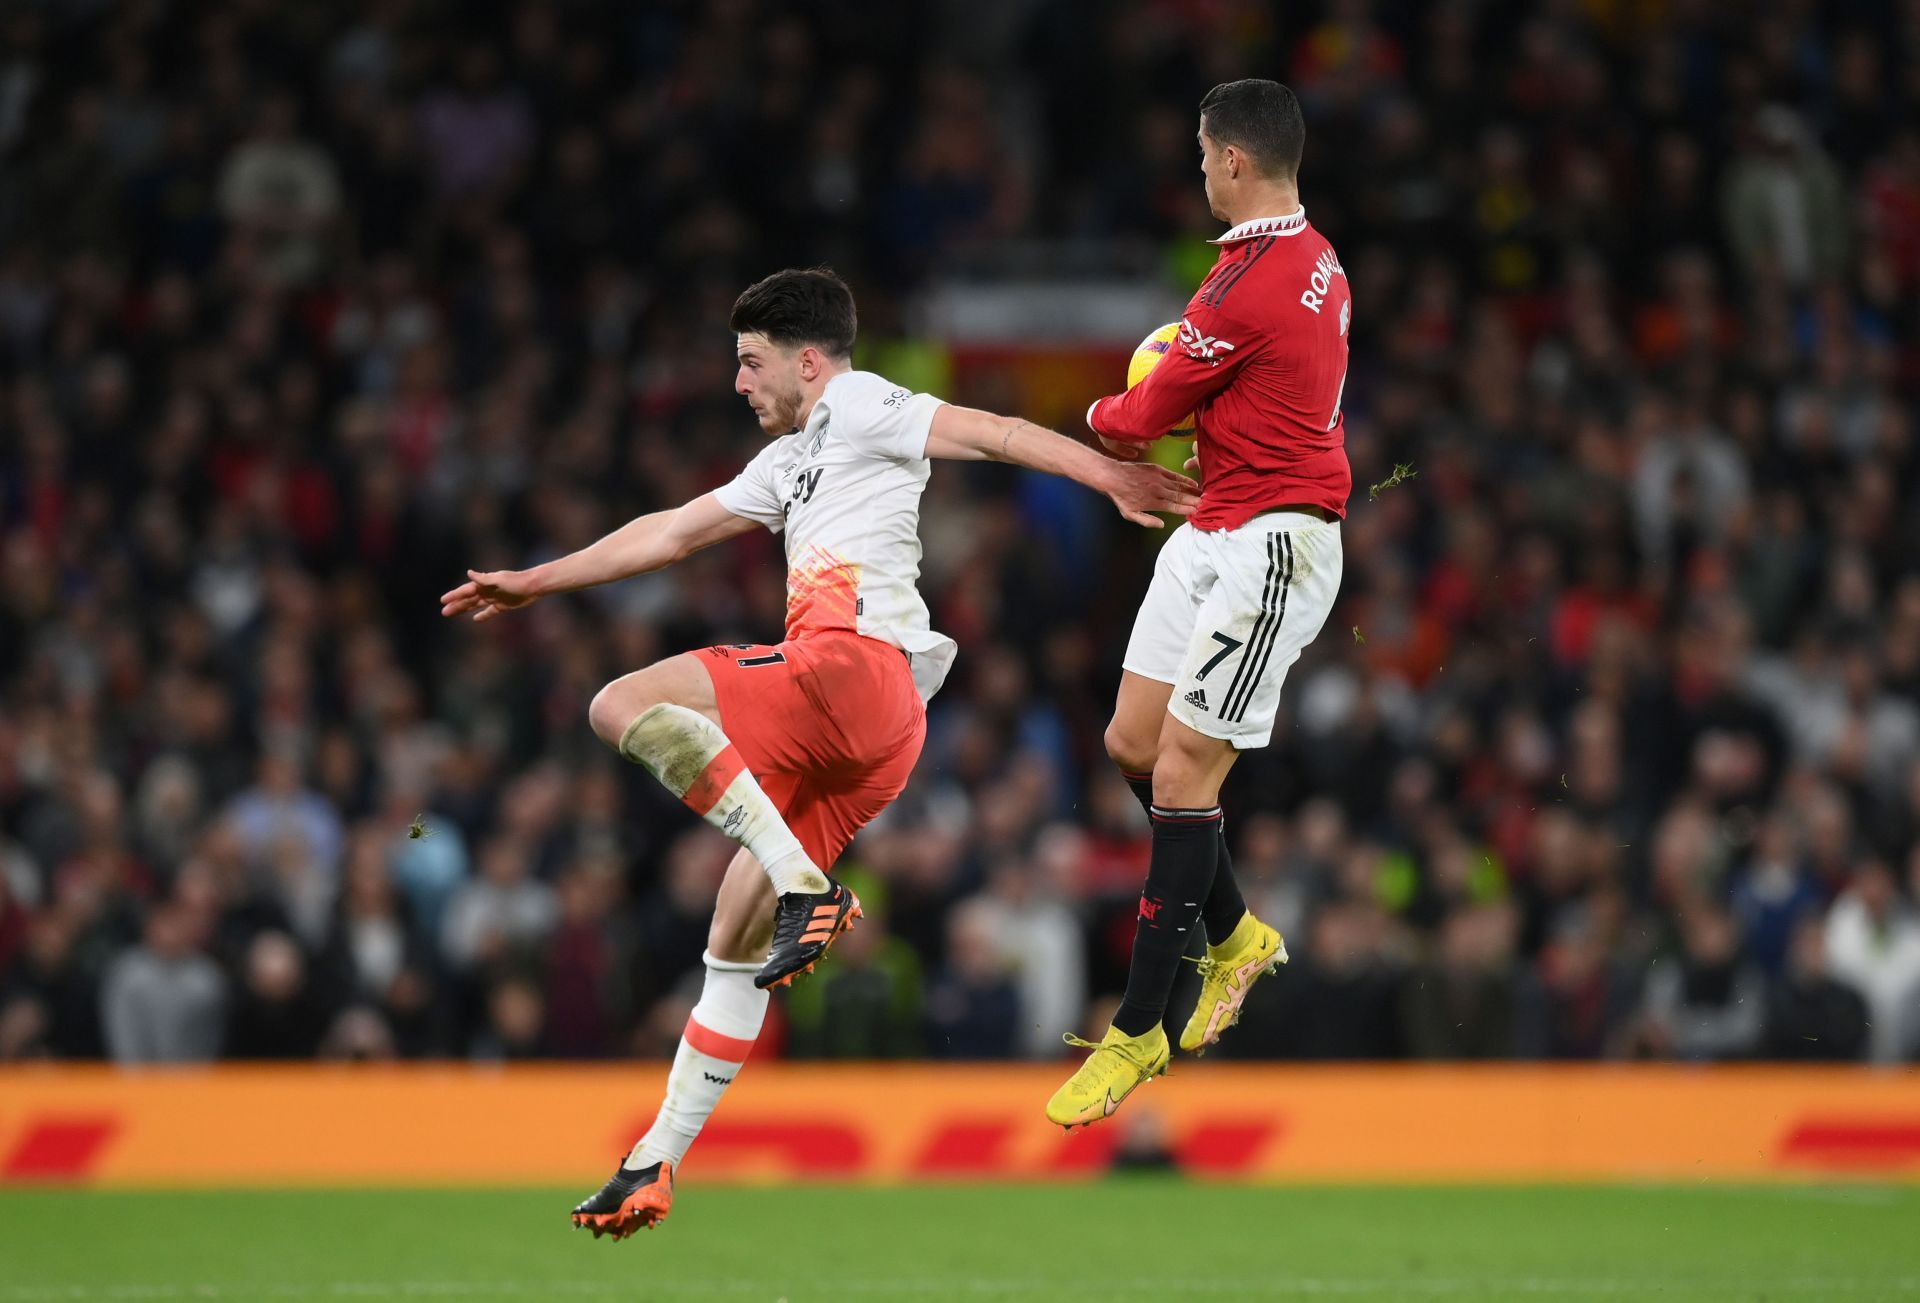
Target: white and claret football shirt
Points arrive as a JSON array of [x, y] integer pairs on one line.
[[845, 490]]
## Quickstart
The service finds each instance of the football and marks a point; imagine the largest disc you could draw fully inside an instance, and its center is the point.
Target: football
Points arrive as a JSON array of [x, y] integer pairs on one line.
[[1148, 356]]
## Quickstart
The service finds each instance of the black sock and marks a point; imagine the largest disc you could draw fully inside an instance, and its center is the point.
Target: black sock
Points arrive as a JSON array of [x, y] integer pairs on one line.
[[1221, 913], [1185, 845], [1224, 905]]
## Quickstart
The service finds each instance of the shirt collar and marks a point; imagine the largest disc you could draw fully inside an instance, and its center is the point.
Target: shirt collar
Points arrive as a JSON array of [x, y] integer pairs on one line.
[[818, 413], [1292, 224]]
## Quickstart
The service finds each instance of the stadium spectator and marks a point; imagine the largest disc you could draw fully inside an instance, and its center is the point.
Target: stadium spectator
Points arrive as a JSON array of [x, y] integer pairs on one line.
[[588, 951], [278, 812], [1031, 917], [1282, 870], [1873, 945], [276, 1014], [19, 891], [1343, 1002], [1811, 1016], [1460, 1004], [869, 1004], [501, 913], [1773, 896], [1583, 988], [1706, 1003], [164, 1001], [1784, 204], [973, 1005], [516, 1021], [376, 955], [280, 193]]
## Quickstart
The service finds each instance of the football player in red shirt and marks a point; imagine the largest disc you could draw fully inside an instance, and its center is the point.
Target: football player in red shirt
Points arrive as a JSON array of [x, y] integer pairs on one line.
[[1238, 591]]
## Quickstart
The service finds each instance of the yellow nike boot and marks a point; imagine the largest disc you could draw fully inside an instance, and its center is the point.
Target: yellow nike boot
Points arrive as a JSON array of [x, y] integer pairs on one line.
[[1227, 973], [1118, 1064]]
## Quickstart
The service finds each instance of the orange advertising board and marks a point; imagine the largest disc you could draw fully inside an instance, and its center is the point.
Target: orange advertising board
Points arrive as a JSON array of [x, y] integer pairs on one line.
[[245, 1126]]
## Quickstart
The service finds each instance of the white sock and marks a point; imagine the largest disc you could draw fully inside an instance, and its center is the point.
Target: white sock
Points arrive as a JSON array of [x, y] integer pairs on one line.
[[694, 760], [718, 1035]]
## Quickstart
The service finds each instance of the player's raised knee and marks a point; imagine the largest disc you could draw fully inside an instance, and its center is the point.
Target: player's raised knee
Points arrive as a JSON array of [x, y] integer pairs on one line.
[[615, 707]]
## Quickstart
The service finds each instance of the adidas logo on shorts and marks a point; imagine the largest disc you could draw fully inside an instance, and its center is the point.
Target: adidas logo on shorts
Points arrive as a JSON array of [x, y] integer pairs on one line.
[[1197, 699]]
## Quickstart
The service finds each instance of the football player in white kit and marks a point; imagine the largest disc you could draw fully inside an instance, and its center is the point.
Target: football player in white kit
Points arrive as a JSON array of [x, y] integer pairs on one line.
[[790, 749]]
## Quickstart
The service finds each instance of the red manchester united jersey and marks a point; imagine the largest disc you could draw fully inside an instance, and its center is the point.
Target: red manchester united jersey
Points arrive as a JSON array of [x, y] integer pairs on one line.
[[1261, 362]]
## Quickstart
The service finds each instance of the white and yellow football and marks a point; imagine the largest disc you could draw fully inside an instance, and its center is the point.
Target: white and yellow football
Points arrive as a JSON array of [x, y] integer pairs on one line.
[[1148, 356]]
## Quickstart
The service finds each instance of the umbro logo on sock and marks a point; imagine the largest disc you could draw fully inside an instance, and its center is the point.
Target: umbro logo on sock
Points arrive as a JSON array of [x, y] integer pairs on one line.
[[733, 820], [716, 1079], [1197, 698]]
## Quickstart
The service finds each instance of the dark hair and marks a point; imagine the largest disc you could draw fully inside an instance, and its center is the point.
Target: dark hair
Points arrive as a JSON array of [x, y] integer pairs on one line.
[[797, 307], [1262, 119]]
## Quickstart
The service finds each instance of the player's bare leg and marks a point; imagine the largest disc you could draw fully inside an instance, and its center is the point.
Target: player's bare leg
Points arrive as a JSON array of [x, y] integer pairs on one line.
[[742, 928], [666, 718], [719, 1033], [1133, 735]]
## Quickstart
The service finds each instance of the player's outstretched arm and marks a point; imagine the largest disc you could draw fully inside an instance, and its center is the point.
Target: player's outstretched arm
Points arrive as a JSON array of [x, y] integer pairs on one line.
[[968, 434], [641, 545], [1198, 366]]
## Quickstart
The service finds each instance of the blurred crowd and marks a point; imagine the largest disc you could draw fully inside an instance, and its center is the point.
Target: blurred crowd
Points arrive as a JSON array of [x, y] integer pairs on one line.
[[1612, 748]]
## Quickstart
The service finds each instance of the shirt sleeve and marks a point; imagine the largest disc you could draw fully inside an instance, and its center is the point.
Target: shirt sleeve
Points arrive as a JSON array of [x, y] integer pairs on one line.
[[754, 494], [888, 421], [1211, 347]]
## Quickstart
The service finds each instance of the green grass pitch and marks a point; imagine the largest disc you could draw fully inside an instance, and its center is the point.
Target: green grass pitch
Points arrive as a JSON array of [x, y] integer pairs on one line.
[[1119, 1239]]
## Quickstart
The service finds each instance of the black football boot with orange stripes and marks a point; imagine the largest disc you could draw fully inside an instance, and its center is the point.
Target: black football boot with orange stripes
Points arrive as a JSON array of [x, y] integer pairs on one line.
[[804, 925], [633, 1198]]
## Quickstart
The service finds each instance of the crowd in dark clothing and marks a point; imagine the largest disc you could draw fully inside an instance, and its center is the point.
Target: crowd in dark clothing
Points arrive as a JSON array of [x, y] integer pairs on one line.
[[1611, 749]]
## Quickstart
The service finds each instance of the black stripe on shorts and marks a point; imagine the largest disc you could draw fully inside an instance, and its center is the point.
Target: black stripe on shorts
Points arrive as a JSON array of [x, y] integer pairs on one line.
[[1259, 656], [1267, 594]]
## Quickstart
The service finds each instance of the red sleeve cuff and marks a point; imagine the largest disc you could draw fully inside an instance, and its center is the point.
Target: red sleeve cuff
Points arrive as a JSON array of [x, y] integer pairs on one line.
[[1120, 436]]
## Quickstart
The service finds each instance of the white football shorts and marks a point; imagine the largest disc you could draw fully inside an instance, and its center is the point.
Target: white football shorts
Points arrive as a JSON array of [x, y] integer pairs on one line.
[[1228, 612]]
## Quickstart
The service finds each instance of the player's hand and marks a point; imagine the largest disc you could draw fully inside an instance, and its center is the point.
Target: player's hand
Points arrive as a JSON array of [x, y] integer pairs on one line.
[[1123, 450], [1141, 490], [1192, 467], [490, 594]]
